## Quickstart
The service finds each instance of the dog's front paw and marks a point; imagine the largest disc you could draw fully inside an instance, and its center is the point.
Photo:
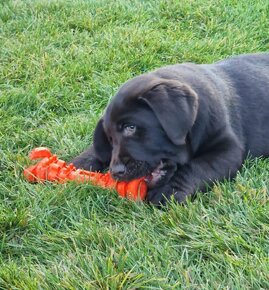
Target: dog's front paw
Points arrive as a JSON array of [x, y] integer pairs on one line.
[[89, 163], [160, 195]]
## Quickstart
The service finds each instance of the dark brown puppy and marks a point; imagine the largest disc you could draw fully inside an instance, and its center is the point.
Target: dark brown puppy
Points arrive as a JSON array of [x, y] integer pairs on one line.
[[184, 126]]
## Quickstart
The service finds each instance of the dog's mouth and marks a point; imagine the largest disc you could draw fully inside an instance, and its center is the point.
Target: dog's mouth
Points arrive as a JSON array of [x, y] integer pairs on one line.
[[156, 175], [152, 177]]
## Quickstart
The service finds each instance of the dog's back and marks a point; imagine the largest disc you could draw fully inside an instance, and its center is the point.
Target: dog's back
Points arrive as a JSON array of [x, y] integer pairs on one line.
[[249, 77]]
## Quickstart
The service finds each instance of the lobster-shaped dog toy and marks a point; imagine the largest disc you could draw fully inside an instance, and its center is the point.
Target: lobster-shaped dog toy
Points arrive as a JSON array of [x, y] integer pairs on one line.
[[53, 169]]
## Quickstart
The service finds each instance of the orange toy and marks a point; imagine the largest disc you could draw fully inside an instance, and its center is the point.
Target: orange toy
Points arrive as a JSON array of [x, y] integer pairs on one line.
[[53, 169]]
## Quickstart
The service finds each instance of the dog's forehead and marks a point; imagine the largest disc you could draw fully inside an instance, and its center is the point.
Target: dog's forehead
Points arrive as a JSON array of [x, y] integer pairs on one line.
[[127, 96], [136, 87]]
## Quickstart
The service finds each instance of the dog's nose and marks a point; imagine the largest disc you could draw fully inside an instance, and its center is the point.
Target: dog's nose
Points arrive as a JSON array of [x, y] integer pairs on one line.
[[117, 170]]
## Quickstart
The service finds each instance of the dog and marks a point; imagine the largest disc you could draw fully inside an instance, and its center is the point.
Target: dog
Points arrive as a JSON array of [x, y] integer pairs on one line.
[[184, 126]]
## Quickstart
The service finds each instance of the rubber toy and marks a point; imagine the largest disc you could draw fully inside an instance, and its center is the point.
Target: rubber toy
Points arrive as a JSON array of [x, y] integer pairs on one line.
[[50, 168]]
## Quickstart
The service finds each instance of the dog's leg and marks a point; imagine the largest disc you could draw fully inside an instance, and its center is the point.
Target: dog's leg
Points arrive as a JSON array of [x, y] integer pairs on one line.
[[219, 162], [89, 161], [96, 157]]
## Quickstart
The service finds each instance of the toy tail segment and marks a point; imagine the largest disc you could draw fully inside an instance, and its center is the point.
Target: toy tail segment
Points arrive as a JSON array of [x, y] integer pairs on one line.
[[53, 169]]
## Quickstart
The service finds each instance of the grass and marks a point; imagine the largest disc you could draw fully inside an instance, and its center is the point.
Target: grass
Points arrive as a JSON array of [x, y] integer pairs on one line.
[[61, 61]]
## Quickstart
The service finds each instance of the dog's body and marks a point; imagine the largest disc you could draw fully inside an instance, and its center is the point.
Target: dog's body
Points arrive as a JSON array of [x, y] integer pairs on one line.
[[185, 126]]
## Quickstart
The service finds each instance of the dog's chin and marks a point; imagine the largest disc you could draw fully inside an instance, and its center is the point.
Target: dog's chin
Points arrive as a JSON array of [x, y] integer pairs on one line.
[[156, 176]]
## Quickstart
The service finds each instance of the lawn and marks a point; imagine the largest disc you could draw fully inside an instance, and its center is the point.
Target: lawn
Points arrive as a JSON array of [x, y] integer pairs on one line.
[[60, 63]]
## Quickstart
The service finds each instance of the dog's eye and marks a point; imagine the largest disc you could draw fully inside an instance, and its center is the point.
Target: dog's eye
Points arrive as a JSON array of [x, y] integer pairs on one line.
[[129, 129]]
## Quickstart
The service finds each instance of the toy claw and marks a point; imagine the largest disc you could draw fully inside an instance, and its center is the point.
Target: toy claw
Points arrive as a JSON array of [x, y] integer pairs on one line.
[[53, 169], [40, 152]]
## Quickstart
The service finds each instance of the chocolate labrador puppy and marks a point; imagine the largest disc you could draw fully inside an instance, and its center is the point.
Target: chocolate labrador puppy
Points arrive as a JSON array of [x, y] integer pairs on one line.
[[184, 126]]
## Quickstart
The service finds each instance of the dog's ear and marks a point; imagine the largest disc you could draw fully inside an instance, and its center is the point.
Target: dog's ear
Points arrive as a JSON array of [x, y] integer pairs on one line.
[[102, 147], [175, 105]]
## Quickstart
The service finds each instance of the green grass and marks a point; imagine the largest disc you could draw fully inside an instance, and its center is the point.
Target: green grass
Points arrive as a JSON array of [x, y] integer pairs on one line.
[[60, 63]]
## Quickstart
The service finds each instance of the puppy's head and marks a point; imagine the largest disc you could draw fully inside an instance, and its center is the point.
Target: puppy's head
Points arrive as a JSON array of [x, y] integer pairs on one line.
[[145, 127]]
